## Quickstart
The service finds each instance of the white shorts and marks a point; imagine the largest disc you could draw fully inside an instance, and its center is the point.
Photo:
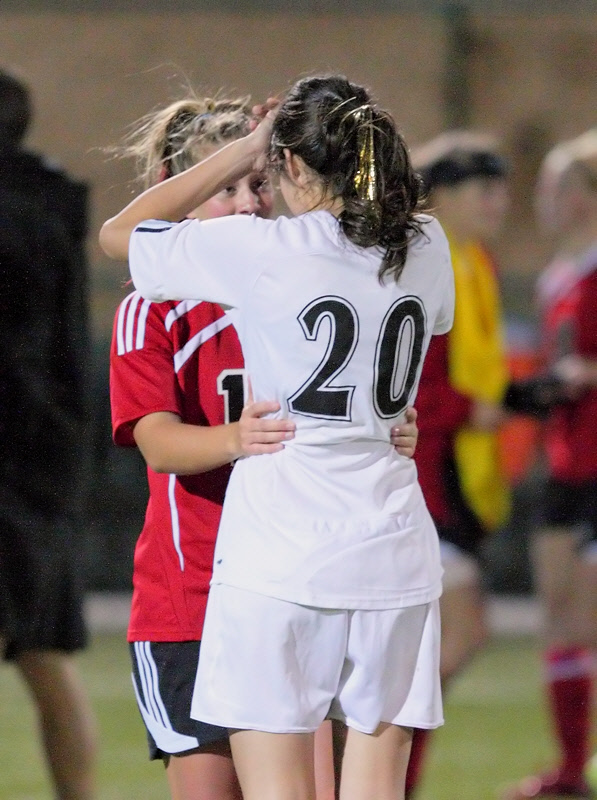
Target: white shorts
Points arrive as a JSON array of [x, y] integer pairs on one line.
[[270, 665]]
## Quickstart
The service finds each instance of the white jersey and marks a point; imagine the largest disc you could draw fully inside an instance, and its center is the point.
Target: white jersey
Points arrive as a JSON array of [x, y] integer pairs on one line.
[[337, 519]]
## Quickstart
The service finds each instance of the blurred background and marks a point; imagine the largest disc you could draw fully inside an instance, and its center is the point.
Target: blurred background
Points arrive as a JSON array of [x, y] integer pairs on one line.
[[524, 71]]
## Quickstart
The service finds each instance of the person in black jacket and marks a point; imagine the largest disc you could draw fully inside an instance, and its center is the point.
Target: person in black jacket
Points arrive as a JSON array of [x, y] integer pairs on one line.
[[44, 353]]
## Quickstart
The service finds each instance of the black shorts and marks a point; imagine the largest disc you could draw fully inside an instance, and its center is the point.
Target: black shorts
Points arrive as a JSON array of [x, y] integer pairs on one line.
[[571, 505], [41, 592], [164, 678]]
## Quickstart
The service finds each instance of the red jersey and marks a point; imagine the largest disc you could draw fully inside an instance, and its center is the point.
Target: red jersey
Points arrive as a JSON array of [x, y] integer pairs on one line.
[[182, 357], [442, 412], [568, 298]]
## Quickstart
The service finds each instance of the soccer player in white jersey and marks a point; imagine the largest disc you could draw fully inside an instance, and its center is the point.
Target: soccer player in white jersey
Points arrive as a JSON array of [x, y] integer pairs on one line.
[[324, 596], [176, 381]]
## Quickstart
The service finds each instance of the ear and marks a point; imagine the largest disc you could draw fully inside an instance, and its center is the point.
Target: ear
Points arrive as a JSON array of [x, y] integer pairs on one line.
[[296, 169]]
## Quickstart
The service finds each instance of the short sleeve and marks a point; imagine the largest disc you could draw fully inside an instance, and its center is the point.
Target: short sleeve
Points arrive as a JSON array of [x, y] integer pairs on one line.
[[445, 317], [142, 378], [217, 260]]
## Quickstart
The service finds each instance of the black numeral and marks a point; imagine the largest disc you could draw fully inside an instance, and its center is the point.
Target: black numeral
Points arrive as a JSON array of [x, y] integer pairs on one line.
[[316, 398], [231, 385], [398, 355], [397, 358]]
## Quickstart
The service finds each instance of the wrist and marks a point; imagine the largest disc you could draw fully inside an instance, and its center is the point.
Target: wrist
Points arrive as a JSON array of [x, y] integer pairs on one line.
[[233, 441], [251, 146]]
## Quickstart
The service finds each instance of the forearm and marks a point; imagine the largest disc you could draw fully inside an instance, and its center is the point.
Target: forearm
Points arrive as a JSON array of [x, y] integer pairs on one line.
[[173, 199], [172, 446]]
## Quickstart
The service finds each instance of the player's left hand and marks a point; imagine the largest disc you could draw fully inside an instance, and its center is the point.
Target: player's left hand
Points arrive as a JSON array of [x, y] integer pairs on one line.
[[404, 436]]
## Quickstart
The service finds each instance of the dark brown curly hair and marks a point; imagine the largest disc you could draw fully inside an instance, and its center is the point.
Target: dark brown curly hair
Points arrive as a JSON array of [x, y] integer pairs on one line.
[[319, 121]]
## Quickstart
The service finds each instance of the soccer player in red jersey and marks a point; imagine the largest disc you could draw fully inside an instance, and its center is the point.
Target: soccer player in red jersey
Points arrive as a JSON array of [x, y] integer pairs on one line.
[[463, 384], [178, 390], [565, 544]]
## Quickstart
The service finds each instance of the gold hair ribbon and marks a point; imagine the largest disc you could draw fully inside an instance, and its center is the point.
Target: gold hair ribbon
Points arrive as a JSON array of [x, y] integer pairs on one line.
[[365, 179]]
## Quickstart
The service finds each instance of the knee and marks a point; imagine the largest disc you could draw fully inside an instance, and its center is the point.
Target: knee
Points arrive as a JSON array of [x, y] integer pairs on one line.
[[460, 644]]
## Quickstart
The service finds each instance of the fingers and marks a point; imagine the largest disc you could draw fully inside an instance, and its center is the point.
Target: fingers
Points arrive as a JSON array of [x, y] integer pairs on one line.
[[259, 436], [267, 437], [404, 436], [411, 414], [406, 449], [268, 430], [260, 441], [262, 109], [267, 110], [261, 408], [406, 430], [263, 449]]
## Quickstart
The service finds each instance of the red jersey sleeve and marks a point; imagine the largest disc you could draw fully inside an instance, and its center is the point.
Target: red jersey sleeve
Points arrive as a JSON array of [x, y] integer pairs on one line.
[[142, 378], [441, 408]]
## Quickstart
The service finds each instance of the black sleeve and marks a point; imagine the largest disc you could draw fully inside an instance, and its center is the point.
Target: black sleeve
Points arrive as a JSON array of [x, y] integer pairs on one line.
[[535, 396]]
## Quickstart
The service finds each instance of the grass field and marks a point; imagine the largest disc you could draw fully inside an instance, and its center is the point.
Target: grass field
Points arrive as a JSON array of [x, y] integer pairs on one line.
[[495, 729]]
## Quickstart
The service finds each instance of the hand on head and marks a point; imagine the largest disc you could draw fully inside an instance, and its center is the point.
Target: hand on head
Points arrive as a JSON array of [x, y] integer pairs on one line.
[[265, 111], [261, 126]]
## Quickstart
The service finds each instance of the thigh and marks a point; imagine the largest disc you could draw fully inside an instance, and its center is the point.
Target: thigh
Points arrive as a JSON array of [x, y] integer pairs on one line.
[[462, 607], [324, 762], [54, 680], [207, 774], [568, 510], [163, 679], [554, 558], [374, 765], [274, 766]]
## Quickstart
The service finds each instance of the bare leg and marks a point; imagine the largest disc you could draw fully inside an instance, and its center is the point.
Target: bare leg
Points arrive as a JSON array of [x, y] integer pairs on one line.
[[587, 584], [566, 588], [565, 585], [464, 630], [208, 775], [374, 766], [66, 721], [324, 762], [274, 766]]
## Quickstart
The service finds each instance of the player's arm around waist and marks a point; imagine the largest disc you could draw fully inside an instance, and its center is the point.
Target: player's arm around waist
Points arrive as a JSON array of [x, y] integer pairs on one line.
[[170, 445]]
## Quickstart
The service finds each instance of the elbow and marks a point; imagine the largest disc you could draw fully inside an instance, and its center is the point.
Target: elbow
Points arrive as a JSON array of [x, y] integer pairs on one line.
[[158, 463], [112, 241]]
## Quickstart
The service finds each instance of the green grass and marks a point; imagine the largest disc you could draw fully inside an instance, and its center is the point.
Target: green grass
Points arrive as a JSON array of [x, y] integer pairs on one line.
[[495, 729]]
